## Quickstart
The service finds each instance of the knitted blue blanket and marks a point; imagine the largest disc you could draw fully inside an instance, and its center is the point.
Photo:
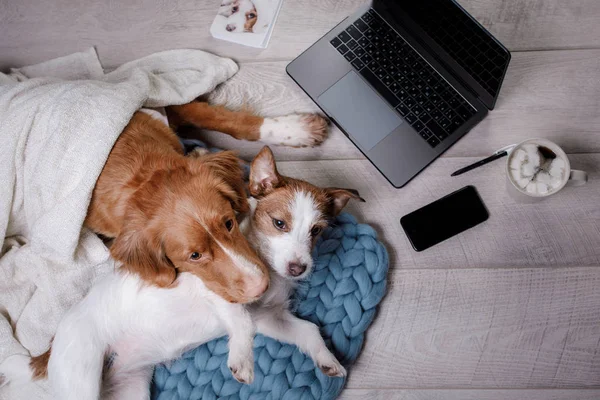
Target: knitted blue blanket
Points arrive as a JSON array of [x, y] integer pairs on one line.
[[340, 296]]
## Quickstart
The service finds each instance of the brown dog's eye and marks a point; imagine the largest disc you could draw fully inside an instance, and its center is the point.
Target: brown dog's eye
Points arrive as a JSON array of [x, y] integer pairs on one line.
[[279, 224], [229, 225], [195, 256], [251, 15], [315, 231]]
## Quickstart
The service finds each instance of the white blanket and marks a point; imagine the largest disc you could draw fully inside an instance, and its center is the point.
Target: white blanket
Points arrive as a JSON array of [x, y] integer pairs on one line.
[[58, 123]]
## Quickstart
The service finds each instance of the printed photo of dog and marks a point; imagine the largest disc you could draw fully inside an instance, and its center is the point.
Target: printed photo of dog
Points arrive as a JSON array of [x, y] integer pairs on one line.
[[246, 16]]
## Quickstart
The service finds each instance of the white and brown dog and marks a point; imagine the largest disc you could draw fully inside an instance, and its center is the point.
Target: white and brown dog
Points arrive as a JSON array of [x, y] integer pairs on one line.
[[287, 215]]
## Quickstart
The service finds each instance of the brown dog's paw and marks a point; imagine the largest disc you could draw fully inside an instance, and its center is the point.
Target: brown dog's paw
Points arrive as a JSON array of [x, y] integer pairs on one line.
[[317, 126], [242, 369], [295, 130]]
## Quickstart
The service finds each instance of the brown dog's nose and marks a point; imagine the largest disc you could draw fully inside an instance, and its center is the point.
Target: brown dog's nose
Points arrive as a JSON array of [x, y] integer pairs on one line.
[[296, 269], [257, 287]]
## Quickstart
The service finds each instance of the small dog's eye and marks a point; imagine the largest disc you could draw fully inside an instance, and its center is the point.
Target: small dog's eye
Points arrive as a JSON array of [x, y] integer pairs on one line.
[[229, 225], [315, 231], [195, 256], [250, 16], [279, 224], [235, 9]]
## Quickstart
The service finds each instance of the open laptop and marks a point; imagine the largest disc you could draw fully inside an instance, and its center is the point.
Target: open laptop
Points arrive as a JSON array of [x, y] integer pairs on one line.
[[404, 80]]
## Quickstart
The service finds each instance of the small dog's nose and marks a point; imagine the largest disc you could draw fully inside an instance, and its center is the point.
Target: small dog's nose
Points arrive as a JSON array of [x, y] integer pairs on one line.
[[230, 28], [296, 269]]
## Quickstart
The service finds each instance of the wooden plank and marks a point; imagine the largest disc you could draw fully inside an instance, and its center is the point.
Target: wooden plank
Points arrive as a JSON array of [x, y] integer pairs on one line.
[[563, 230], [477, 328], [539, 24], [473, 394], [546, 94], [32, 31]]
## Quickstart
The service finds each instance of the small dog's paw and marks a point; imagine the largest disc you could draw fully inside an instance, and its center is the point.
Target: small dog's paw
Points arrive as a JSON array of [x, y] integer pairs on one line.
[[198, 152], [242, 370], [330, 366], [295, 130]]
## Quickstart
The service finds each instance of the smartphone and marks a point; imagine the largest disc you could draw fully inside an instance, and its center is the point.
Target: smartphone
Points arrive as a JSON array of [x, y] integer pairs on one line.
[[444, 218]]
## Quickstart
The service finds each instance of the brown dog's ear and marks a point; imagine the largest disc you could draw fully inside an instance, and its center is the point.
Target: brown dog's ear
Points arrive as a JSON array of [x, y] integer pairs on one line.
[[227, 166], [264, 177], [340, 197], [142, 255]]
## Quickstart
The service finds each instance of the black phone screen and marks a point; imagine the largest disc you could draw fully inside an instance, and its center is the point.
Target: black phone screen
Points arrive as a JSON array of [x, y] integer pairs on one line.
[[444, 218]]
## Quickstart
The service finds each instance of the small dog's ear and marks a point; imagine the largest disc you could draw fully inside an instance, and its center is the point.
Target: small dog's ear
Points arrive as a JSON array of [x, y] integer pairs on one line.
[[227, 166], [339, 198], [264, 177], [143, 255]]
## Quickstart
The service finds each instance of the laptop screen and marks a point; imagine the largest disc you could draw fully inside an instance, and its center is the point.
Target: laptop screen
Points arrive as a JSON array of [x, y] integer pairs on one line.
[[462, 38]]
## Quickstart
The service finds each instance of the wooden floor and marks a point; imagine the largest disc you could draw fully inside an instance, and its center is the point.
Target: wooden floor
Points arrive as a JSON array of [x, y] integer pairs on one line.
[[508, 310]]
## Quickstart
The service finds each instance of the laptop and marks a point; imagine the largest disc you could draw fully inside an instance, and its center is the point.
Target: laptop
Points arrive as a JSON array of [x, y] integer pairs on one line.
[[404, 80]]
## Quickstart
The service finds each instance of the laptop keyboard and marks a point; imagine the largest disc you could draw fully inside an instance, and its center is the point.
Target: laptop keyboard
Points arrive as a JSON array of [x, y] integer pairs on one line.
[[479, 54], [398, 73]]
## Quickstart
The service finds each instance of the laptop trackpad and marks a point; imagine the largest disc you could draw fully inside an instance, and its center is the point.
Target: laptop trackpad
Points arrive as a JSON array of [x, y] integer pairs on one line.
[[359, 110]]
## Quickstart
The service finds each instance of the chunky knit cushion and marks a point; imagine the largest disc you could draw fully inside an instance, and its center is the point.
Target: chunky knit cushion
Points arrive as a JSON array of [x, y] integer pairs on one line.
[[340, 296]]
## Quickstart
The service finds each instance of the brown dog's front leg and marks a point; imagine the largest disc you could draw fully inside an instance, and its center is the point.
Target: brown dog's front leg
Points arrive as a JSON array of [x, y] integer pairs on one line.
[[239, 124], [295, 130]]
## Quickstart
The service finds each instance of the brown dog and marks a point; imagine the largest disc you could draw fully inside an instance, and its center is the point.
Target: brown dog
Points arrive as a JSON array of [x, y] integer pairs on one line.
[[169, 213]]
